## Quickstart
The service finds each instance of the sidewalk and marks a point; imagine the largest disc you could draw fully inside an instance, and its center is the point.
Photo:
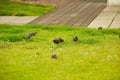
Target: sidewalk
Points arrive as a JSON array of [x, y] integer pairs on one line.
[[16, 19], [108, 18]]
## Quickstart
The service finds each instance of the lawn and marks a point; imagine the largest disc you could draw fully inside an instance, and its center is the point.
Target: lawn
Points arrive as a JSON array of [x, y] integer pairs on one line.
[[8, 8], [95, 56]]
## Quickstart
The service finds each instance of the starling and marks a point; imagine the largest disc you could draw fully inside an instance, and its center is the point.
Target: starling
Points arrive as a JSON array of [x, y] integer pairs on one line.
[[32, 33], [61, 40], [54, 56], [58, 40], [99, 28], [75, 38], [28, 36]]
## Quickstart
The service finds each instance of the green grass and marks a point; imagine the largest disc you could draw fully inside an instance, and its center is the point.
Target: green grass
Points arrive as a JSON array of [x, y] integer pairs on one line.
[[8, 8], [96, 56]]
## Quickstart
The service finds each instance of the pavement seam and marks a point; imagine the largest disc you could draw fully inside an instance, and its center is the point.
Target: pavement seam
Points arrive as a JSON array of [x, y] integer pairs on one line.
[[112, 21]]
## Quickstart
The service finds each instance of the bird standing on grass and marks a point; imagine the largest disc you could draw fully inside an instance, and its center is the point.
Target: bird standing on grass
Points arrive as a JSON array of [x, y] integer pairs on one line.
[[75, 38], [58, 40], [54, 56], [61, 40], [28, 36], [99, 28]]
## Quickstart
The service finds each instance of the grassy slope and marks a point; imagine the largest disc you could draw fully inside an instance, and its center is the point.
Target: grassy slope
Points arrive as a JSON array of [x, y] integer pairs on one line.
[[95, 56], [22, 9]]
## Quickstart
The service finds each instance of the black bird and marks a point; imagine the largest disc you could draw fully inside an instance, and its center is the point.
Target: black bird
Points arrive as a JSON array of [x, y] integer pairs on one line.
[[32, 33], [54, 56], [75, 38], [28, 36], [58, 40], [99, 28], [61, 40]]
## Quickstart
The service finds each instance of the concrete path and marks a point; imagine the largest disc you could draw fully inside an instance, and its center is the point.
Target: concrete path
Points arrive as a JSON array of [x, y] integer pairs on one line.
[[16, 19], [108, 18]]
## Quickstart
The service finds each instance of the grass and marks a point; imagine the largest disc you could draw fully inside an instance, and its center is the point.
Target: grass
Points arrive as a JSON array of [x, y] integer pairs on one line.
[[95, 56], [8, 8]]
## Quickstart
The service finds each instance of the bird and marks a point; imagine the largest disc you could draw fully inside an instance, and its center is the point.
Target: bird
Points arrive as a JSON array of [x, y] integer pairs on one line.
[[28, 36], [61, 40], [75, 38], [99, 28], [54, 56], [32, 33], [58, 40]]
